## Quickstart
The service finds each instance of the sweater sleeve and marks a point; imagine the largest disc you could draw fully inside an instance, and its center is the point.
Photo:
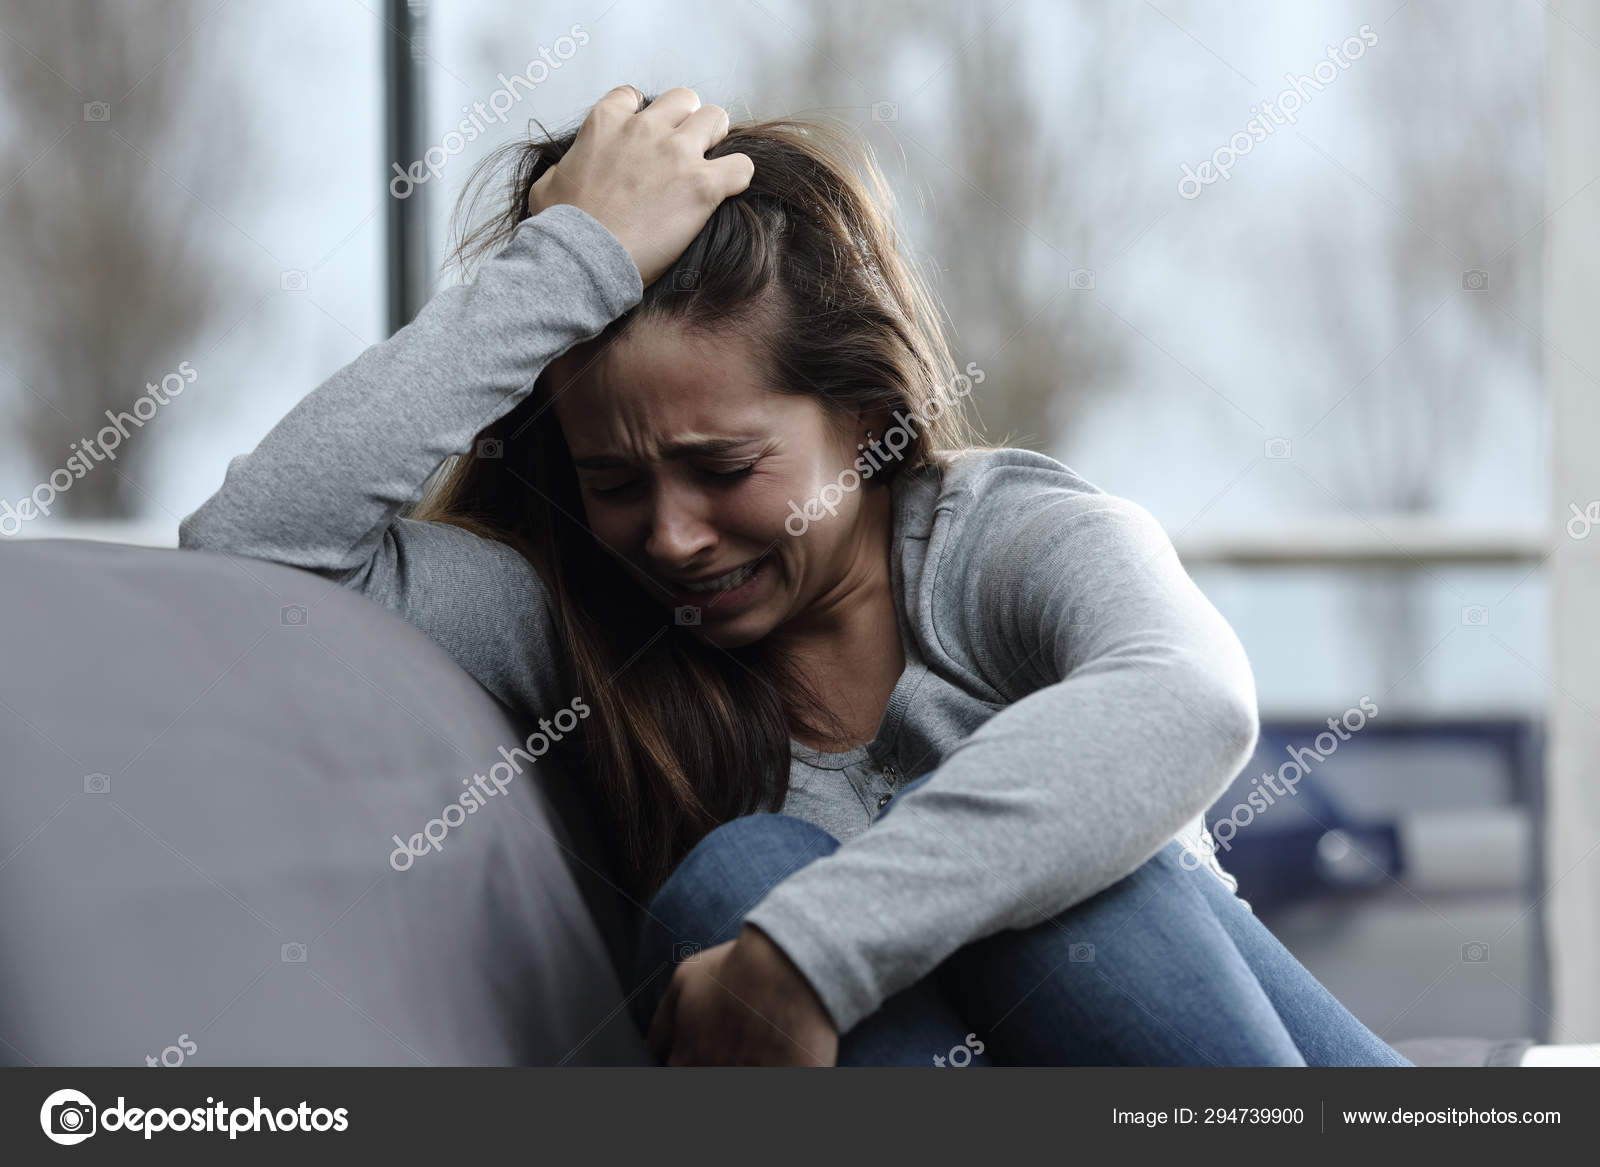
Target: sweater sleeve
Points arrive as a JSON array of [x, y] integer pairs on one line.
[[1139, 709], [322, 490]]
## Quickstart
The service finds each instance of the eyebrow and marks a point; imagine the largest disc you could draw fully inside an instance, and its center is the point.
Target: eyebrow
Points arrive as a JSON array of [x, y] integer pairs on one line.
[[677, 449]]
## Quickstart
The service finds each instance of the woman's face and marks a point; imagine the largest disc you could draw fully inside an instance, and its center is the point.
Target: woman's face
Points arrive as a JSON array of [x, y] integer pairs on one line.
[[689, 468]]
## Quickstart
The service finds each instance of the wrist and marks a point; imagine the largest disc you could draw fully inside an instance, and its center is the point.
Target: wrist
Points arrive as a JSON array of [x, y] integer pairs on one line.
[[764, 952]]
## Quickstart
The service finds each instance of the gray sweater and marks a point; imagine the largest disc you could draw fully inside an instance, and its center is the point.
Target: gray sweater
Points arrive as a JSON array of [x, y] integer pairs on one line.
[[1082, 701]]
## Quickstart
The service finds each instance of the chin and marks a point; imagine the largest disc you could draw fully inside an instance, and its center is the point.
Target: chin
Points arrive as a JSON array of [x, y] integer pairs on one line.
[[747, 629]]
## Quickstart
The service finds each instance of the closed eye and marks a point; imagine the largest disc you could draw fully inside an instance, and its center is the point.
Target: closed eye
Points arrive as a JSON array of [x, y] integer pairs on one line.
[[740, 472]]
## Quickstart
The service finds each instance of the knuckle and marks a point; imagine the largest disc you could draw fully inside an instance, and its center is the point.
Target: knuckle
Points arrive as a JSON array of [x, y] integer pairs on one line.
[[610, 106]]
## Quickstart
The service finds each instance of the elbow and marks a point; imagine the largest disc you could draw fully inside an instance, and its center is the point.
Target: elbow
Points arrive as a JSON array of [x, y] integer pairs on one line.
[[188, 534], [1241, 720], [1233, 723], [1222, 686], [192, 533], [1209, 699]]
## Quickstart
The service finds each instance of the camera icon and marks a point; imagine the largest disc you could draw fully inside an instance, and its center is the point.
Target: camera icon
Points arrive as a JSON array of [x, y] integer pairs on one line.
[[292, 280], [1475, 615], [292, 953], [686, 614], [491, 448], [1475, 280], [1277, 449], [292, 615], [71, 1122], [686, 280], [1475, 952], [97, 111], [885, 111], [683, 950], [1080, 614], [96, 784], [1081, 279], [1080, 953]]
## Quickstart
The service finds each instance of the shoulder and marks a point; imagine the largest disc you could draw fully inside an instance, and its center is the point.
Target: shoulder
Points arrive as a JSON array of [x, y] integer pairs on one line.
[[1021, 547], [1007, 499]]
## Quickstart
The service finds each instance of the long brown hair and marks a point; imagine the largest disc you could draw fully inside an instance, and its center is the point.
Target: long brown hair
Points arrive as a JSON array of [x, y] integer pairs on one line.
[[685, 735]]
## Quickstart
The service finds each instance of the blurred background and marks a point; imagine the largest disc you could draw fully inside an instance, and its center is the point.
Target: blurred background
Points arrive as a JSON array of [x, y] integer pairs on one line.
[[1311, 282]]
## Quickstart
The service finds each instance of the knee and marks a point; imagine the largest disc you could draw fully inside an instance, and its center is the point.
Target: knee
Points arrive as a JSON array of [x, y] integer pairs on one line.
[[1172, 864], [1145, 891], [727, 872], [704, 901]]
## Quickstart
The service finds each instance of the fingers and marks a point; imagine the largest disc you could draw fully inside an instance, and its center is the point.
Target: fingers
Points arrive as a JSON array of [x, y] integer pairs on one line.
[[672, 107], [621, 102], [732, 173], [705, 127]]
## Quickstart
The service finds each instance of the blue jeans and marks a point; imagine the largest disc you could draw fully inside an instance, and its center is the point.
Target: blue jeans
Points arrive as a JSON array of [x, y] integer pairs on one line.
[[1165, 967]]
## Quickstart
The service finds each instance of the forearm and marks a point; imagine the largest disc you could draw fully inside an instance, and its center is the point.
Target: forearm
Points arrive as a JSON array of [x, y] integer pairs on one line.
[[322, 486], [1052, 800]]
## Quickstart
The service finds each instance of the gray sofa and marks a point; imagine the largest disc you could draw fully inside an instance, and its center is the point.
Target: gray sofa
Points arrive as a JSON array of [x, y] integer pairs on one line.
[[206, 760]]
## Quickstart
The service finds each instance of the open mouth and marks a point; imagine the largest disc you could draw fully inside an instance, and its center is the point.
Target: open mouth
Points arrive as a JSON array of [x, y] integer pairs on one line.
[[726, 582], [729, 589]]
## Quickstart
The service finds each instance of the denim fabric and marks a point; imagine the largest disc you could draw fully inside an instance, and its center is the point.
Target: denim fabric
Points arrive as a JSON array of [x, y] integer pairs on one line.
[[704, 903], [1165, 967]]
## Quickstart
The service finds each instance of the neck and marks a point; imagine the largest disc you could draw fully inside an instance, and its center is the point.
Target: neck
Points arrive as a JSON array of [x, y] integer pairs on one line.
[[849, 609], [848, 639]]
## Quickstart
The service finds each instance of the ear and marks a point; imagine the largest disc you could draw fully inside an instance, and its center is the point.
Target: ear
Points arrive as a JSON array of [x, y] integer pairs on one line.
[[878, 421]]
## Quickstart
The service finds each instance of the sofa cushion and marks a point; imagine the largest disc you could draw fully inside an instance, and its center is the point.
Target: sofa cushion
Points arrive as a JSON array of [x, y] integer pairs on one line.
[[206, 760]]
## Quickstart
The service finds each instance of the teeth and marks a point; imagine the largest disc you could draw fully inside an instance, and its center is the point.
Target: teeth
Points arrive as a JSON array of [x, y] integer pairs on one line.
[[733, 579]]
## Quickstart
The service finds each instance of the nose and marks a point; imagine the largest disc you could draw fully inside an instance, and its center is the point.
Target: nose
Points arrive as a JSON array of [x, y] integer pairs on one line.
[[678, 530]]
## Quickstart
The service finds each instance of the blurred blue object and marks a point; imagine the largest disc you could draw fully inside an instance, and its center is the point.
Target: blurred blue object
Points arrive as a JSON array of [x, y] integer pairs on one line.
[[1373, 810]]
